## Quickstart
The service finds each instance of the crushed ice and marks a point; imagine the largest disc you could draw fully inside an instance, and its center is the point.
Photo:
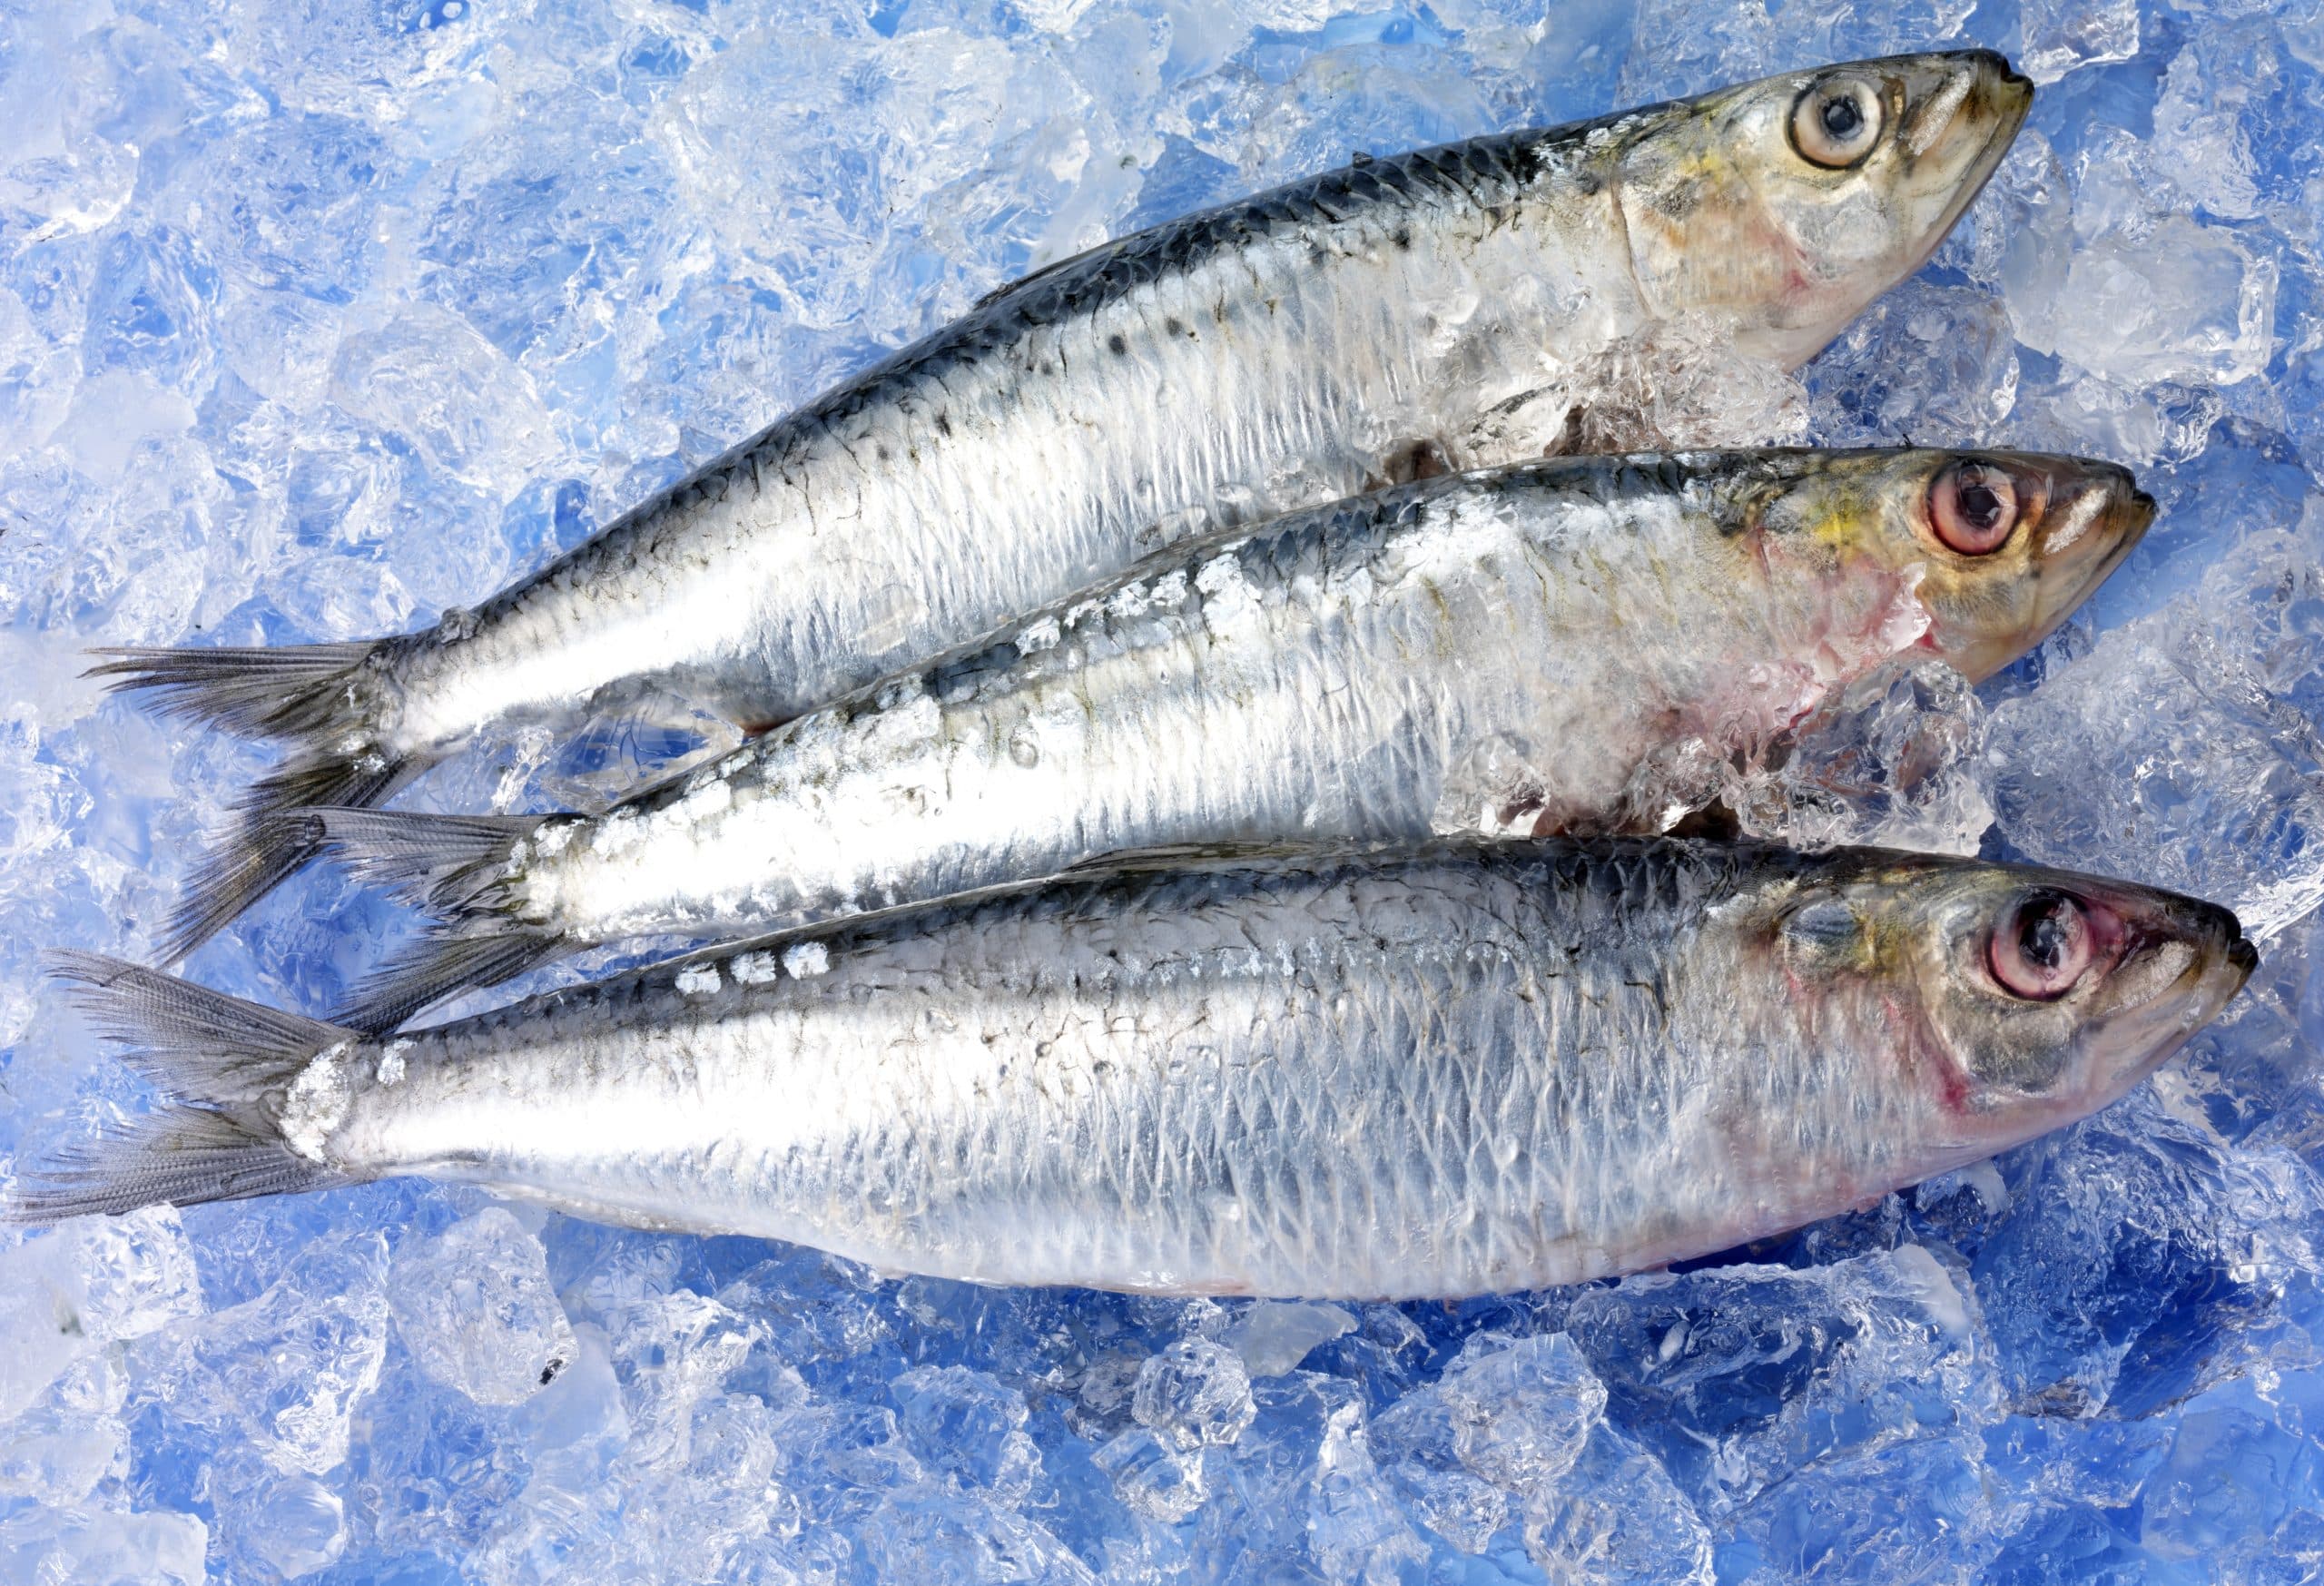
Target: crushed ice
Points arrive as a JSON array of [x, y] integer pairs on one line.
[[317, 319]]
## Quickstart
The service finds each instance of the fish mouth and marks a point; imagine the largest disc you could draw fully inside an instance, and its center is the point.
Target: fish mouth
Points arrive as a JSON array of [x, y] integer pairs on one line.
[[2129, 518], [2071, 572], [2135, 1041], [2009, 98]]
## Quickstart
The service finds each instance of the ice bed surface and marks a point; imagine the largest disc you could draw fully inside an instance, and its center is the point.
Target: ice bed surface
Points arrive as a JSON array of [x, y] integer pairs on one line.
[[317, 317]]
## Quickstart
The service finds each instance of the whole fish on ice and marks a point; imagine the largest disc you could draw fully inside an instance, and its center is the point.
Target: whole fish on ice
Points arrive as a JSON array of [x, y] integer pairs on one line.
[[1438, 309], [1607, 628], [1447, 1071]]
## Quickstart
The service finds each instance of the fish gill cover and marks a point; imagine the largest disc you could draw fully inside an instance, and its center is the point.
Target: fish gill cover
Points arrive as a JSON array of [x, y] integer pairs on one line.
[[316, 318]]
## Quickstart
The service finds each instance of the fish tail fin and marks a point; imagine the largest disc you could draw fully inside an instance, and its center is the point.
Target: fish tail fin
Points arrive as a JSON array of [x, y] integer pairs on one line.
[[447, 865], [299, 692], [441, 964], [457, 867], [319, 699], [224, 1064], [271, 837]]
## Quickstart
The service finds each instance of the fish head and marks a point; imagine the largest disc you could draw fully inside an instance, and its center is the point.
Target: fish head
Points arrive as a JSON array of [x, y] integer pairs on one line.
[[1998, 547], [2017, 998], [1789, 203]]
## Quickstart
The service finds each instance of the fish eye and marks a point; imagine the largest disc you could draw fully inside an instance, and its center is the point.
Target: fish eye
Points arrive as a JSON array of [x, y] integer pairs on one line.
[[1835, 123], [1972, 508], [2041, 947]]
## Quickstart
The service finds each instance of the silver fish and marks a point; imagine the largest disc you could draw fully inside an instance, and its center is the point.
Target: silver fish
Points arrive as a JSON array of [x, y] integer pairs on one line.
[[1609, 628], [1437, 1072], [1434, 309]]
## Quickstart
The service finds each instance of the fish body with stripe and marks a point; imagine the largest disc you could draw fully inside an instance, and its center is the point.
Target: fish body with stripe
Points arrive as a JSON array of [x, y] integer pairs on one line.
[[1447, 305], [1570, 646], [1431, 1072]]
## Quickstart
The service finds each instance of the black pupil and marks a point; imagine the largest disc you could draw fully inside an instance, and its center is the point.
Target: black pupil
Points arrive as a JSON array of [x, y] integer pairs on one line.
[[2042, 938], [1841, 118], [1979, 506]]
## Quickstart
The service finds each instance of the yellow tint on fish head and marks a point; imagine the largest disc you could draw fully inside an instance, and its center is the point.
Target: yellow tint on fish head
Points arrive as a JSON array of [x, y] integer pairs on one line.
[[1999, 546]]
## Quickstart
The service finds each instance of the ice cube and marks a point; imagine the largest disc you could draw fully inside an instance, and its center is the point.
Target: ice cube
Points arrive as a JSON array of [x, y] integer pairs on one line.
[[967, 1426], [1678, 384], [1738, 1378], [293, 1523], [2183, 302], [95, 1282], [1897, 760], [2064, 35], [1275, 1335], [282, 1374], [1933, 363], [1154, 1476], [917, 1536], [2182, 751], [57, 1450], [1617, 1516], [1196, 1392], [1354, 1524], [1918, 1510], [1494, 1438], [2212, 85], [475, 1307], [86, 1542], [2219, 1501]]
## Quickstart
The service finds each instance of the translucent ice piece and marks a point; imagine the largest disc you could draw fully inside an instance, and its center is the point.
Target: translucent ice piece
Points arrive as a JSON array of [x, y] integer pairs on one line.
[[2062, 36], [1152, 1476], [1275, 1335], [96, 1544], [95, 1282], [2183, 751], [1738, 1378], [1196, 1392], [475, 1307], [1617, 1516], [967, 1426], [282, 1374], [1494, 1438], [1897, 761], [2183, 302], [1355, 1526]]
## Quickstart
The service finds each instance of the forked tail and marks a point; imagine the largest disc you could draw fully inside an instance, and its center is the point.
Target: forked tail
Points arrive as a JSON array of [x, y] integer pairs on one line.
[[457, 868], [317, 699], [229, 1069]]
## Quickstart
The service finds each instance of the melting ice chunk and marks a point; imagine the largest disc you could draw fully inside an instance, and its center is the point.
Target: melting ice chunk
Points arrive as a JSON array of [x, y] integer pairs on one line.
[[475, 1307]]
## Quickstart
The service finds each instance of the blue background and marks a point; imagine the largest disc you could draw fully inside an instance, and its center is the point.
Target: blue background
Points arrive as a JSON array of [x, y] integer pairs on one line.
[[316, 318]]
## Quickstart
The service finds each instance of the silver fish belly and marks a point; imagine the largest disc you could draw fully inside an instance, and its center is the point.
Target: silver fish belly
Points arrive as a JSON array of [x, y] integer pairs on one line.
[[1322, 678]]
